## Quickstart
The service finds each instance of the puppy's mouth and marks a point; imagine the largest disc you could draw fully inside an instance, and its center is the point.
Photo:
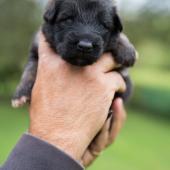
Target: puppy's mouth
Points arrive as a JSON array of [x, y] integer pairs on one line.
[[80, 61]]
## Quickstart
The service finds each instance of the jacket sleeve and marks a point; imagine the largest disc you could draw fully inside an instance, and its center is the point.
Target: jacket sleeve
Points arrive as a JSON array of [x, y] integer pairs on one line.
[[32, 153]]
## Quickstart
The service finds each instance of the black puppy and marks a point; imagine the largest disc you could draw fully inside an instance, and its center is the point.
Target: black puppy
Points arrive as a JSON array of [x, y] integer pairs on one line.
[[80, 31]]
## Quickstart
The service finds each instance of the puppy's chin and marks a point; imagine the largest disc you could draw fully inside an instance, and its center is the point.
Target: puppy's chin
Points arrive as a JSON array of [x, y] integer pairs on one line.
[[82, 62], [79, 62], [78, 58]]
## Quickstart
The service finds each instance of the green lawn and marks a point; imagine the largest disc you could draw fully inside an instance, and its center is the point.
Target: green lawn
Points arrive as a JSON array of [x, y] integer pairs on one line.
[[144, 143]]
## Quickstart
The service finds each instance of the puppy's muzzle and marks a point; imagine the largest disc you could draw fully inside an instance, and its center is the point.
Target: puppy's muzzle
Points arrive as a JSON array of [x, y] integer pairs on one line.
[[82, 48]]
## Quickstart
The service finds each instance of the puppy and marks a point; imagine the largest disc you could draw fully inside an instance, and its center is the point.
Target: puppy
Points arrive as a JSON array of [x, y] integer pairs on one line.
[[80, 31]]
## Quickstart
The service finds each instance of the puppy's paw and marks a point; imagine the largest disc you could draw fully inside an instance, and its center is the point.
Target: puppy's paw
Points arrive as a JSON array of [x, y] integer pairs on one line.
[[126, 56], [19, 102]]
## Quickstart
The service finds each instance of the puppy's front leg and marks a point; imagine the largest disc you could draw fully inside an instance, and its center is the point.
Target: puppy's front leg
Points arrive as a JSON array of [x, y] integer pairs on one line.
[[23, 91], [124, 54], [123, 51]]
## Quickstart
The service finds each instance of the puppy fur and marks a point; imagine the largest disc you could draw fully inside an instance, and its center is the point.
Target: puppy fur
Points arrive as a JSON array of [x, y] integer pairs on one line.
[[80, 31]]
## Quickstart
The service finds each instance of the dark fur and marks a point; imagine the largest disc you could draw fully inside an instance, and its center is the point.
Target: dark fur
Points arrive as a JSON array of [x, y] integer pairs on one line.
[[81, 31]]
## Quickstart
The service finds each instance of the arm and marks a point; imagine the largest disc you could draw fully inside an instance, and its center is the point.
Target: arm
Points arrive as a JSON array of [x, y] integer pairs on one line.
[[67, 100], [32, 153], [62, 114]]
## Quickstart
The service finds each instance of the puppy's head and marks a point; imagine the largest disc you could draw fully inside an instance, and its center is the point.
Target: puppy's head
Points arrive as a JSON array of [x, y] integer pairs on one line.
[[80, 30]]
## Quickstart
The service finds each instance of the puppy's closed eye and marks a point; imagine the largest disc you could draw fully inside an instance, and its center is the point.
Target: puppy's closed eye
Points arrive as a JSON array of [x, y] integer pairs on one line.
[[105, 21], [64, 17], [107, 25]]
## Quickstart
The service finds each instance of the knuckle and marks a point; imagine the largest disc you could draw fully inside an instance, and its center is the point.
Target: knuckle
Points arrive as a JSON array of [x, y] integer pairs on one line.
[[120, 82]]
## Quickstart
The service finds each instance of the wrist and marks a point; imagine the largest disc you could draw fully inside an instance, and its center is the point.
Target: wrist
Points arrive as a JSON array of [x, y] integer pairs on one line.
[[72, 144]]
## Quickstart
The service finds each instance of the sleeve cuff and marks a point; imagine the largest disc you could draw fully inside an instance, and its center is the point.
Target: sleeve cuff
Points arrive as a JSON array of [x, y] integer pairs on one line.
[[36, 154]]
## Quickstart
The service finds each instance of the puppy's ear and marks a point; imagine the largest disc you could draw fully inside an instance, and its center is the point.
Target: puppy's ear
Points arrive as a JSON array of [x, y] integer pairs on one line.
[[118, 27], [51, 10]]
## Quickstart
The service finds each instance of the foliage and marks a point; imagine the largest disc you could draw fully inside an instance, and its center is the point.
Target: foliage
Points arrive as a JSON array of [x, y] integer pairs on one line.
[[149, 31], [143, 143], [19, 19]]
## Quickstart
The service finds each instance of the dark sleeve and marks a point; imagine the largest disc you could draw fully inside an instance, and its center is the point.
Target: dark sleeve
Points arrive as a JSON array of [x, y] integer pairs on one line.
[[34, 154]]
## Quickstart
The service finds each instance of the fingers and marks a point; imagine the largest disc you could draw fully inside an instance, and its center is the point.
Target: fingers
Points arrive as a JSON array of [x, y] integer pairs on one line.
[[108, 133], [48, 58], [119, 116], [101, 140], [116, 82], [87, 159], [44, 48], [106, 63], [97, 146]]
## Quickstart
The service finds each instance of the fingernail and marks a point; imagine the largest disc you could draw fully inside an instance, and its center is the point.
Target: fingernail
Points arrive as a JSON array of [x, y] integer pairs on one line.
[[119, 101]]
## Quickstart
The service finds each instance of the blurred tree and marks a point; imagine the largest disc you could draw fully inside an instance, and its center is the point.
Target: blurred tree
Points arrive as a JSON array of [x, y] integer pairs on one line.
[[147, 25], [19, 19], [149, 29], [148, 20]]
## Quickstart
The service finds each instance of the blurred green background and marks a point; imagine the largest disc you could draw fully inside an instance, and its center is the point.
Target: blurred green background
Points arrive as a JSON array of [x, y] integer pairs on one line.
[[144, 143]]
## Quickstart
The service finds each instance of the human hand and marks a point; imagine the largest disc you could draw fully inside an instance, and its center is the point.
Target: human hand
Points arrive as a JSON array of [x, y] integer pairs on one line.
[[107, 135], [70, 104]]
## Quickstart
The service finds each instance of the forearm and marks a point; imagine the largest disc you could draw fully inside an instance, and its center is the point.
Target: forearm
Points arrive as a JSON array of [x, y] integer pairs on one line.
[[35, 154]]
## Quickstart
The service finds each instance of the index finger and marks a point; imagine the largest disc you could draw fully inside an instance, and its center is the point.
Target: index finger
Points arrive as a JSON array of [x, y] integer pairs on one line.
[[106, 63]]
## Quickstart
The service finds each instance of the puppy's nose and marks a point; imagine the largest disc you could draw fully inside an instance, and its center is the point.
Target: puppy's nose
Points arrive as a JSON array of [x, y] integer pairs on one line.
[[85, 45]]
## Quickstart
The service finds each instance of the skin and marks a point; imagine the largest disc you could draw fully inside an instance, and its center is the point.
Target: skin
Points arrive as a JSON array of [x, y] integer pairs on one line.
[[67, 101], [107, 135]]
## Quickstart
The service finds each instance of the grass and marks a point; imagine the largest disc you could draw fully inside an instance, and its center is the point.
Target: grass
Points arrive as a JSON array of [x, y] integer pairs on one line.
[[12, 124], [143, 143]]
